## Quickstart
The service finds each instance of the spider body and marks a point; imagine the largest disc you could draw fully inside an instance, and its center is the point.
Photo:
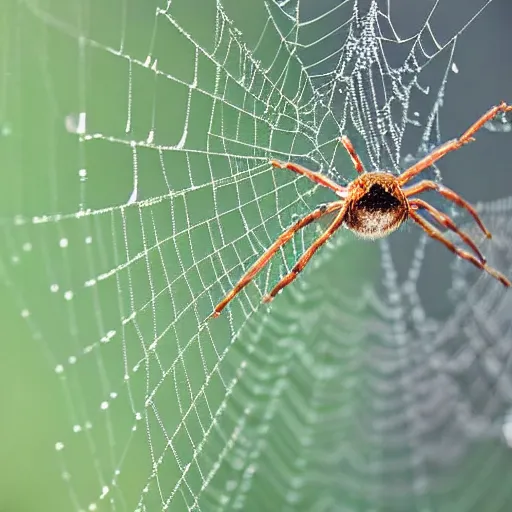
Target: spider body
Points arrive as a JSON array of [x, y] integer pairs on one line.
[[375, 204]]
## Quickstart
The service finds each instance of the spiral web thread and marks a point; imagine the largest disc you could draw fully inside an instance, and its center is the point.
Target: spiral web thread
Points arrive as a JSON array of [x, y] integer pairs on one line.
[[140, 217]]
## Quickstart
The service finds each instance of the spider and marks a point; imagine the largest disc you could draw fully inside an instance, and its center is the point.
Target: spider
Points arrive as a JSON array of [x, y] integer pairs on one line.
[[375, 204]]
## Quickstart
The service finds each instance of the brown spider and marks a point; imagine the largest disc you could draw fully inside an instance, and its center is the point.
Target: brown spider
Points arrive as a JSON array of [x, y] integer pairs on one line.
[[376, 204]]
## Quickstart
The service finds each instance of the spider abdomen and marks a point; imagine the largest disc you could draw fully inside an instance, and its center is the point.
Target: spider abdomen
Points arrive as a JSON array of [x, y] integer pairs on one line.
[[378, 206]]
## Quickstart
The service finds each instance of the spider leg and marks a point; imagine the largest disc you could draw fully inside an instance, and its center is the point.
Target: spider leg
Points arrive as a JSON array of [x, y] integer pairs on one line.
[[304, 259], [437, 235], [316, 177], [431, 158], [425, 185], [453, 144], [353, 155], [490, 114], [448, 223], [267, 255]]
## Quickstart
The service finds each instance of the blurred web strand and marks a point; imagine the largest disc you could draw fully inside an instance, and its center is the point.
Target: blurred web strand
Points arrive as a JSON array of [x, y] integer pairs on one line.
[[216, 411]]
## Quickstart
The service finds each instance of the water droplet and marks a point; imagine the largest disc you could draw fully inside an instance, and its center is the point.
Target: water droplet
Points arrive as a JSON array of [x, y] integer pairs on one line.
[[5, 130], [76, 123]]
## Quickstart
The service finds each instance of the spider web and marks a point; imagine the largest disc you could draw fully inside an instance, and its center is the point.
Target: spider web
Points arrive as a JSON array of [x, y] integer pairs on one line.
[[137, 190]]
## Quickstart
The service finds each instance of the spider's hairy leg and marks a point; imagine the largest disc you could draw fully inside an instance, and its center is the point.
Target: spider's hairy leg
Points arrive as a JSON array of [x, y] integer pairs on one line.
[[488, 116], [437, 235], [448, 223], [358, 165], [316, 177], [454, 144], [430, 159], [449, 194], [304, 259], [267, 255]]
